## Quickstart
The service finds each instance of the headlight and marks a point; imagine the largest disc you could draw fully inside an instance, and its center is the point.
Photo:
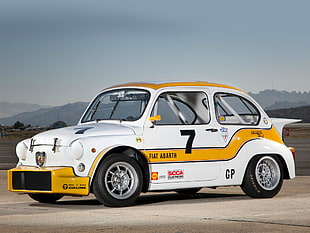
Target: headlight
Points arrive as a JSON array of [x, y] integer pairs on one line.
[[21, 150], [77, 150]]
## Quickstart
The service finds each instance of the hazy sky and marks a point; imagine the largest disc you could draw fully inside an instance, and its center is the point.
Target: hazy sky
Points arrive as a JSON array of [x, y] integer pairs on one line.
[[60, 51]]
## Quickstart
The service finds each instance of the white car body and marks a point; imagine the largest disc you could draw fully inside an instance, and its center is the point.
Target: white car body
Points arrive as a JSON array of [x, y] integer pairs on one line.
[[210, 146]]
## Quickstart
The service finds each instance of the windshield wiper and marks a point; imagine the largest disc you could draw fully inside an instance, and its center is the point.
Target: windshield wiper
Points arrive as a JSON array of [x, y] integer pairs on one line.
[[95, 110], [114, 108]]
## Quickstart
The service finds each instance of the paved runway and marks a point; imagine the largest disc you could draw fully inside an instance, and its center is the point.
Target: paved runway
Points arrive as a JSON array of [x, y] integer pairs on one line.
[[225, 209]]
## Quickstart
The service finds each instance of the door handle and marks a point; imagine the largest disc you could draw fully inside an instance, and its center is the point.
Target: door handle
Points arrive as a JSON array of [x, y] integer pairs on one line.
[[212, 130]]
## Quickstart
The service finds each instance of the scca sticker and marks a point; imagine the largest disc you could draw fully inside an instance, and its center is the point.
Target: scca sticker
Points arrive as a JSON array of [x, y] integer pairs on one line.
[[176, 174]]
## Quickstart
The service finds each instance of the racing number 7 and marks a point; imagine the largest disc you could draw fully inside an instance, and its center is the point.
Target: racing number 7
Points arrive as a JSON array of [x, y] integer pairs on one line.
[[189, 143]]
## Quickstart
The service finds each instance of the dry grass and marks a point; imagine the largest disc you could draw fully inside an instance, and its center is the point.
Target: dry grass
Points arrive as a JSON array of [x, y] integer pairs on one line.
[[19, 135]]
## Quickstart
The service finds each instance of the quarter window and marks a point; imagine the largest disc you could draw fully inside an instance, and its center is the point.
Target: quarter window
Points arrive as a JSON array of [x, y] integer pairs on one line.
[[178, 108], [233, 109]]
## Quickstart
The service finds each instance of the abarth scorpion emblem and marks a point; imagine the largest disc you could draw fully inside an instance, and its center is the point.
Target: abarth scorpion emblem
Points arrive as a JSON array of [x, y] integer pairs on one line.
[[40, 158]]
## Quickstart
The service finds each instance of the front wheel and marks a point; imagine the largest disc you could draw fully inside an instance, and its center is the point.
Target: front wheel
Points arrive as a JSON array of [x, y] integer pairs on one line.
[[118, 181], [263, 177]]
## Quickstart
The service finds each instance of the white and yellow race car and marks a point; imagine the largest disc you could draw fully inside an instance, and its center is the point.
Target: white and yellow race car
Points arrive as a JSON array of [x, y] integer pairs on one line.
[[139, 137]]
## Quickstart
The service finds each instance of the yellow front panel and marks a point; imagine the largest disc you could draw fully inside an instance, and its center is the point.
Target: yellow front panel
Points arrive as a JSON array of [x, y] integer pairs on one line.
[[63, 181]]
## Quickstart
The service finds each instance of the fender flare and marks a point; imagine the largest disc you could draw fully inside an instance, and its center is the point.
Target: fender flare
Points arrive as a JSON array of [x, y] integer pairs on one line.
[[128, 151], [263, 146]]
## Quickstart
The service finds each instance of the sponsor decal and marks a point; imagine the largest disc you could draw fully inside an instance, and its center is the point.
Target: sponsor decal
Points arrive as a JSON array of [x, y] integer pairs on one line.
[[224, 130], [163, 155], [224, 133], [138, 140], [154, 176], [168, 155], [222, 118], [176, 174], [73, 186], [265, 121], [259, 133]]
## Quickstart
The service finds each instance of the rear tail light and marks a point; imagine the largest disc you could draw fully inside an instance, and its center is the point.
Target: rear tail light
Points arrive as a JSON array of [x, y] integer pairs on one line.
[[292, 149]]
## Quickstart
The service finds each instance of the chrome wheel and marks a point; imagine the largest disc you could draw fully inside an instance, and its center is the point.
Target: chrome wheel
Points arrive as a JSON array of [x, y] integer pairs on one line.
[[263, 177], [118, 181], [267, 173], [121, 180]]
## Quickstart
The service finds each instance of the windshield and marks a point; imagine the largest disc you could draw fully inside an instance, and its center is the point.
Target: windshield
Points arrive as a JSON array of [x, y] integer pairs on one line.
[[124, 104]]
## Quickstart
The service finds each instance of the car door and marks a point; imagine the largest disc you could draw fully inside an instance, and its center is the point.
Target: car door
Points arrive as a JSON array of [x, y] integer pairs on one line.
[[180, 140]]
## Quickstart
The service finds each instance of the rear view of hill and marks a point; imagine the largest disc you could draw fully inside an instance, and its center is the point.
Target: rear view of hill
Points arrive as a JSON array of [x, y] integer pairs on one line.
[[274, 99], [10, 109], [69, 113]]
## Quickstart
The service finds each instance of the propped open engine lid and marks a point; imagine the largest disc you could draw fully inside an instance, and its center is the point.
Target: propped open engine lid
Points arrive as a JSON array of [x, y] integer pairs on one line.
[[279, 123]]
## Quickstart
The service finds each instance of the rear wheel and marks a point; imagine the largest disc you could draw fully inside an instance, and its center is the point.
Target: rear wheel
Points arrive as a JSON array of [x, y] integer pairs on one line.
[[263, 177], [45, 197], [118, 181]]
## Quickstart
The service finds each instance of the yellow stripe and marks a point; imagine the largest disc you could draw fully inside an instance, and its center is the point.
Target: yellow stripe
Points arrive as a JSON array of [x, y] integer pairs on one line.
[[209, 154], [97, 160]]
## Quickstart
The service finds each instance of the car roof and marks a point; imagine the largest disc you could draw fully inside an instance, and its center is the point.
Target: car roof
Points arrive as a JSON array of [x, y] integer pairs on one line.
[[162, 84]]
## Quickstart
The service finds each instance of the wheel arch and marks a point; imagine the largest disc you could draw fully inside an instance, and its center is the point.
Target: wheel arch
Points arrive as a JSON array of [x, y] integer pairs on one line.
[[278, 156], [130, 152], [264, 147]]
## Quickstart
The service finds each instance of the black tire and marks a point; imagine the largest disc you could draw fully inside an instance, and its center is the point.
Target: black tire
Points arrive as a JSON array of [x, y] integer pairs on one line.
[[263, 177], [118, 181], [45, 197], [190, 191]]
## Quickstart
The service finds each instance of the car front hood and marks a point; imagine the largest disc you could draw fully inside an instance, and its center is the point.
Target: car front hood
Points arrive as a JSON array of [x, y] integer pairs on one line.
[[64, 136]]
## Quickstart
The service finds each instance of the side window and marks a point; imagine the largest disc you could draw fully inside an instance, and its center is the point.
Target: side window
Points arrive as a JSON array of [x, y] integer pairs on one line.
[[178, 108], [233, 109]]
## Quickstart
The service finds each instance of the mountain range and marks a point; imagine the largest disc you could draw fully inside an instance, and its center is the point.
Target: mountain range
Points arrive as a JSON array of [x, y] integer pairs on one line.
[[273, 99], [69, 113], [10, 109], [277, 103]]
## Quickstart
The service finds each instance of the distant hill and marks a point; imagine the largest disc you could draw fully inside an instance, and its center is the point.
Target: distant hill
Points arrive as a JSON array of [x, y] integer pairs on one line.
[[10, 109], [69, 113], [295, 113], [273, 99]]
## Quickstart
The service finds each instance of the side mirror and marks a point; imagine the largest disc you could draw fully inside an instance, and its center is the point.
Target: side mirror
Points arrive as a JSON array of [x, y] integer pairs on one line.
[[153, 119]]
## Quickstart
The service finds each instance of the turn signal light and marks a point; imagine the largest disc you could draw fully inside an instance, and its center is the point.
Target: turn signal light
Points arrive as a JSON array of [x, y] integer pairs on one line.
[[292, 149]]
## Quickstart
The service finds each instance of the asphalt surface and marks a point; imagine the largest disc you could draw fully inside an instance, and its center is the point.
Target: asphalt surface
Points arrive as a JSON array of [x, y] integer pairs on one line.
[[224, 209]]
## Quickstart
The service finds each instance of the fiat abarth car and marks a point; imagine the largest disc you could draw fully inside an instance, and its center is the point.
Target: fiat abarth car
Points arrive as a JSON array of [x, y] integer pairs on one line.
[[140, 137]]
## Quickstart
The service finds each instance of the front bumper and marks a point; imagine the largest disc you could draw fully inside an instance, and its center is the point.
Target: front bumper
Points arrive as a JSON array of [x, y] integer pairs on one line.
[[58, 180]]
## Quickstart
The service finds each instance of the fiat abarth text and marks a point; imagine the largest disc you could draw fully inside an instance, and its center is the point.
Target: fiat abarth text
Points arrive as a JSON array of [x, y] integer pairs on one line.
[[173, 136]]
